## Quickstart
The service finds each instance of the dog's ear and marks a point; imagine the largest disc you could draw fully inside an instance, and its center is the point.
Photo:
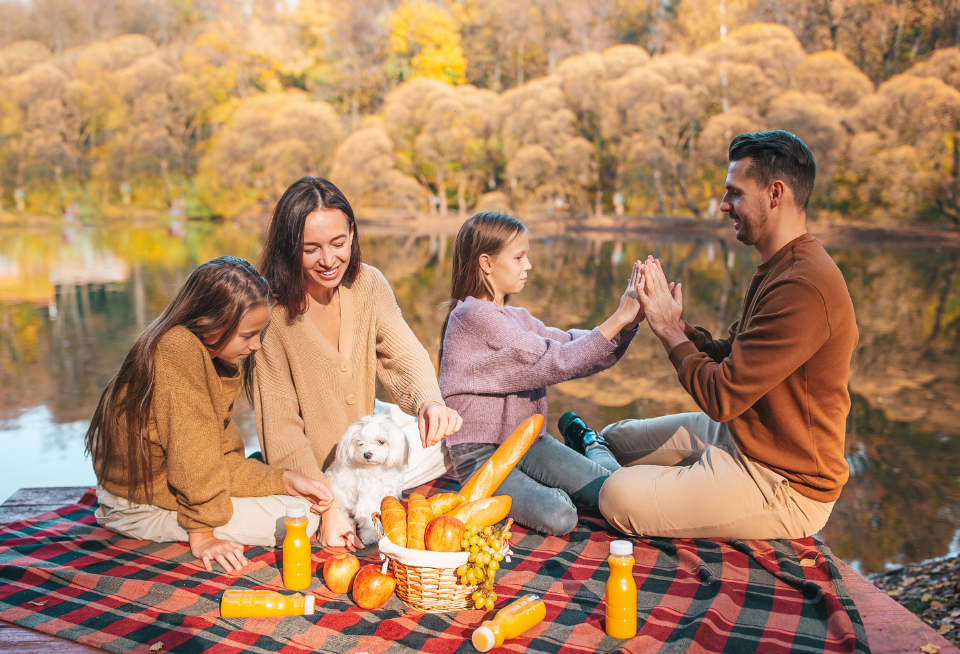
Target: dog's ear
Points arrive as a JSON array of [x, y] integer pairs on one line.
[[346, 443], [399, 445]]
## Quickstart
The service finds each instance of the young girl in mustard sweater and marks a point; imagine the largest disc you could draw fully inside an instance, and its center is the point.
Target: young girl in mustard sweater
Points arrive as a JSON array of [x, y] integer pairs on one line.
[[169, 460]]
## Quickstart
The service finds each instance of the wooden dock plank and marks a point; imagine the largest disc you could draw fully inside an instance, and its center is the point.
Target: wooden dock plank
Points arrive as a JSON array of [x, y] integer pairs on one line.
[[28, 502], [891, 628]]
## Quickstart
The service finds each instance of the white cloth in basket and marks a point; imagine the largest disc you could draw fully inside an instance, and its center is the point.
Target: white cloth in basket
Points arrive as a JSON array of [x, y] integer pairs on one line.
[[426, 558]]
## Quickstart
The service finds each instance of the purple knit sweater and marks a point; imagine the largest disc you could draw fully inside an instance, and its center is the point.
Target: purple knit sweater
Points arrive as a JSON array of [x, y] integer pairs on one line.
[[498, 361]]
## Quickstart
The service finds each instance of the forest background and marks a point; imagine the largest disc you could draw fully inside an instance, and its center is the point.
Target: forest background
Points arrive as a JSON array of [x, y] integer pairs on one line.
[[571, 107]]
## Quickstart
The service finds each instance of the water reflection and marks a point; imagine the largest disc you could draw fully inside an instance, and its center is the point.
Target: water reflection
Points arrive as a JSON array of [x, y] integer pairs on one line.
[[71, 303]]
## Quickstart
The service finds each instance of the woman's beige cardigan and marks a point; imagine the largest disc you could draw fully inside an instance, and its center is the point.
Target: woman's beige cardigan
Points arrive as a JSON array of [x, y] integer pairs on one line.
[[306, 392]]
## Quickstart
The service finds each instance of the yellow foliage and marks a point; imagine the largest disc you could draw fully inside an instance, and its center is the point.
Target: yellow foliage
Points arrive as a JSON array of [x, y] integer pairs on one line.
[[426, 38]]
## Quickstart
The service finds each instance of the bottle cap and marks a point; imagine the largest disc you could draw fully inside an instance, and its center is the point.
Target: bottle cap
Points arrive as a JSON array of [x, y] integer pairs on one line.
[[483, 639], [621, 548], [296, 510], [308, 604]]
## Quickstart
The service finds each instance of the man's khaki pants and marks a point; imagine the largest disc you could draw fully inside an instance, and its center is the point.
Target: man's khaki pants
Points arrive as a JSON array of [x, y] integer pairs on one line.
[[688, 479], [255, 521]]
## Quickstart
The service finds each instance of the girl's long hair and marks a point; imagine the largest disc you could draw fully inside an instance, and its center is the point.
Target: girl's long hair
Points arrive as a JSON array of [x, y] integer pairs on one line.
[[210, 304], [482, 233], [282, 254]]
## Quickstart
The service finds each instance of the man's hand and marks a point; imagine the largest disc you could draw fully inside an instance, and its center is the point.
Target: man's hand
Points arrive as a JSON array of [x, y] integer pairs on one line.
[[208, 548], [437, 421], [662, 304], [310, 489], [336, 531]]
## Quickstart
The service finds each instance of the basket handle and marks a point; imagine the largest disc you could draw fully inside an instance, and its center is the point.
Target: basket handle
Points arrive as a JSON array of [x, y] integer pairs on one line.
[[377, 524]]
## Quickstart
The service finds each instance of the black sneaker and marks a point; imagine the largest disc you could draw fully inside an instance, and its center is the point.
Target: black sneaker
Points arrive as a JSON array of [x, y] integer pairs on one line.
[[576, 434]]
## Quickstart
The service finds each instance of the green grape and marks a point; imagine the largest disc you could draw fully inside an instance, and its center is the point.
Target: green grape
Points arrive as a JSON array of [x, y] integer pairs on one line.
[[493, 565], [474, 540], [471, 578], [497, 533], [491, 574], [486, 549], [492, 595], [497, 556], [479, 604], [476, 595], [488, 584], [462, 570], [464, 544], [474, 549], [489, 603], [473, 557], [496, 544]]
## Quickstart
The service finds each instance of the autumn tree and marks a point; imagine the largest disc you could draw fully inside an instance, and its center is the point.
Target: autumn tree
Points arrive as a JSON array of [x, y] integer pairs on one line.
[[269, 142], [425, 42]]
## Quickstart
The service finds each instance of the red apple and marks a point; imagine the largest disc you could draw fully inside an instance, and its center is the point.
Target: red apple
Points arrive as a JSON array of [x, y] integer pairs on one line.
[[444, 534], [339, 572], [372, 588]]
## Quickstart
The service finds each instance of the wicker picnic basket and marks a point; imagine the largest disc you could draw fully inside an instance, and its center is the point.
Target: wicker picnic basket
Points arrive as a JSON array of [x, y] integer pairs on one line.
[[431, 589]]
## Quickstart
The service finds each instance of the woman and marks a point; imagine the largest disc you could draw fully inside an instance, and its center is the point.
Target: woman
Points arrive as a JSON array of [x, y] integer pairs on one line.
[[335, 329]]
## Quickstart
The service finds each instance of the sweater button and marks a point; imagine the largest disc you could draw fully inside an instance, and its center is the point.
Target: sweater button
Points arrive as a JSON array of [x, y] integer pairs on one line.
[[345, 366], [351, 399]]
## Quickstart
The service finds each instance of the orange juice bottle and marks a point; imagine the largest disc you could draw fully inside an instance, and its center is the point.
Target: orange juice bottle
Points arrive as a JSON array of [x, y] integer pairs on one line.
[[621, 609], [509, 622], [297, 555], [246, 603]]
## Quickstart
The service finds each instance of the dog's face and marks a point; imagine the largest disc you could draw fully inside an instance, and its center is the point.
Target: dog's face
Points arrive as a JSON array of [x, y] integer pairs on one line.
[[373, 441]]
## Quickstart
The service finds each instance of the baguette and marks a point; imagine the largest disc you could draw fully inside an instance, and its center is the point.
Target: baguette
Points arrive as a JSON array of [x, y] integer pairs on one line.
[[491, 474], [484, 512], [419, 515], [444, 502], [394, 520]]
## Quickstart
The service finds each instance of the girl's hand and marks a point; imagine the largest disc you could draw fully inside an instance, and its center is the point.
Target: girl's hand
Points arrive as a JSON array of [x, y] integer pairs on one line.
[[310, 489], [630, 312], [436, 422], [208, 548], [336, 531]]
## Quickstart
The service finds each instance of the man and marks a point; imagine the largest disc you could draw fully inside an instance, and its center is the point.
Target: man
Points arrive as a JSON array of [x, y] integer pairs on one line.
[[765, 459]]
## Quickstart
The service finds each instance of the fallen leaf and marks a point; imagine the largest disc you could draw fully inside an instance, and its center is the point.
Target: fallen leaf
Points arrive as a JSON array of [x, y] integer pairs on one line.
[[930, 648], [808, 563], [38, 603], [926, 597], [908, 581], [156, 647], [893, 593], [944, 628], [936, 605]]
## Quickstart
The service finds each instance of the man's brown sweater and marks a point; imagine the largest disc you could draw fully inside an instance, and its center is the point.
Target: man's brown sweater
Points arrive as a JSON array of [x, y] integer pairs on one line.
[[196, 451], [780, 379]]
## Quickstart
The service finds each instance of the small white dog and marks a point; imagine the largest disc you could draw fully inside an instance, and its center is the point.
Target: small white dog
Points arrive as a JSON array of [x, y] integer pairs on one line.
[[368, 466]]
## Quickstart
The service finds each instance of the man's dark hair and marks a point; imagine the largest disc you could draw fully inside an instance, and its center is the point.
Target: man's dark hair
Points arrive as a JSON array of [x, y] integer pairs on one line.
[[778, 155]]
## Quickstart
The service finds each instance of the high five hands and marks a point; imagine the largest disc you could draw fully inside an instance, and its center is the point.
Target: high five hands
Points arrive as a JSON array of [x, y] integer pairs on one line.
[[662, 303]]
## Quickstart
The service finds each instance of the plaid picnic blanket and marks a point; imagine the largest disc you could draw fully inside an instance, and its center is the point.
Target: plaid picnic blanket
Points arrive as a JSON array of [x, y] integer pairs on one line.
[[61, 574]]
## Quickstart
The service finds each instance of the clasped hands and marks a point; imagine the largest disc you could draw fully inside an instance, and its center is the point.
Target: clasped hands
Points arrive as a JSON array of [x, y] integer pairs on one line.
[[661, 303]]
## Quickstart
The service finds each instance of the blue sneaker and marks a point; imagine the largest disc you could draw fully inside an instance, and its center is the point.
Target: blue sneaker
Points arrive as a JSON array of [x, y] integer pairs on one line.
[[576, 435]]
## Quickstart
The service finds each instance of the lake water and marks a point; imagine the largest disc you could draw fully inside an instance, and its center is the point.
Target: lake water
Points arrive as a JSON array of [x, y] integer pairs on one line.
[[73, 299]]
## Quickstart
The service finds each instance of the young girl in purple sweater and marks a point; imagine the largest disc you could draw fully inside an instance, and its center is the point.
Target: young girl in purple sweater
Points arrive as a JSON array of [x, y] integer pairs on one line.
[[496, 362]]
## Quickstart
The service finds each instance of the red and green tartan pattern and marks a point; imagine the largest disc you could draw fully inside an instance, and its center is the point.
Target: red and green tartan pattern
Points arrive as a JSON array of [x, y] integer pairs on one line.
[[63, 575]]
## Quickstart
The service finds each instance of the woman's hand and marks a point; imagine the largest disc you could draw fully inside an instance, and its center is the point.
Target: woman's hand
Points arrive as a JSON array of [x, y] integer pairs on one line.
[[208, 548], [336, 531], [629, 313], [437, 421], [310, 489]]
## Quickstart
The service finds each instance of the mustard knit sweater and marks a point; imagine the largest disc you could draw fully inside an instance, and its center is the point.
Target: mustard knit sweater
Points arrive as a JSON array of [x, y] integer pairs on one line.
[[196, 451], [307, 392]]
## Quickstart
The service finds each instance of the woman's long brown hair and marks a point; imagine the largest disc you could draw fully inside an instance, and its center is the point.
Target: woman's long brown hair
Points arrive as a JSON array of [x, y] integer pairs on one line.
[[482, 233], [210, 304]]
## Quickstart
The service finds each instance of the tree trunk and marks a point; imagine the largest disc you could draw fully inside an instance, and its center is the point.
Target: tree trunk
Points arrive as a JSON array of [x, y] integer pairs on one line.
[[497, 67], [462, 196], [658, 185], [442, 192], [682, 184], [520, 64]]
